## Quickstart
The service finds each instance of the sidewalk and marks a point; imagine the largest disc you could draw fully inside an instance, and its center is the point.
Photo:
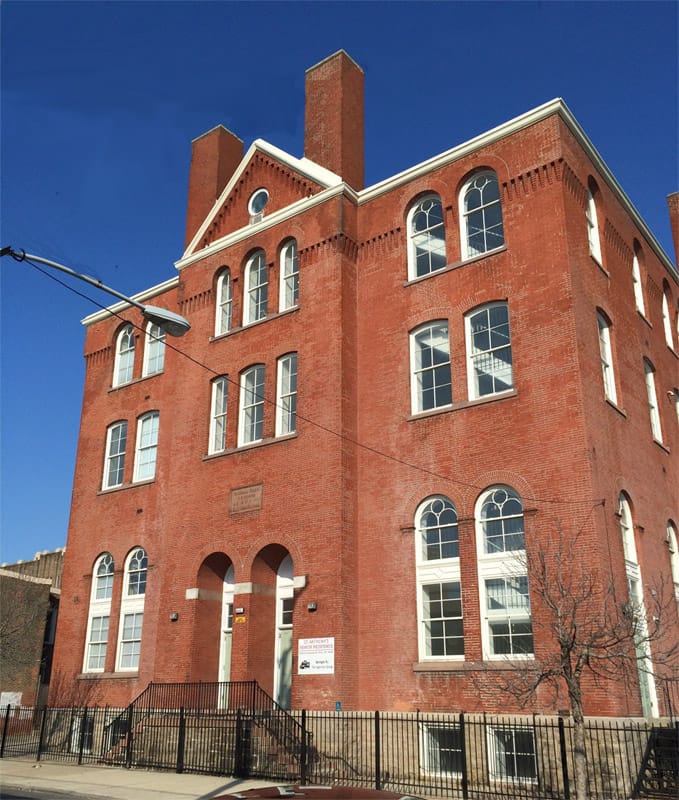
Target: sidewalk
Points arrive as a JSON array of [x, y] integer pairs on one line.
[[116, 783]]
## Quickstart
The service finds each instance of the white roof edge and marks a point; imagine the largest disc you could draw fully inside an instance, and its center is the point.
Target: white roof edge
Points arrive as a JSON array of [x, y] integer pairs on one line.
[[147, 294], [308, 168]]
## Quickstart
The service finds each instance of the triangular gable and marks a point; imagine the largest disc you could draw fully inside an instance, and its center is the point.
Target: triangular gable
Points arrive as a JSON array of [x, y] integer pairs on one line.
[[287, 179]]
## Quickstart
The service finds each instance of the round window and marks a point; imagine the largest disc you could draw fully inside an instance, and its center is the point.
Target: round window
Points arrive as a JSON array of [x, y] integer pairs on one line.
[[257, 201]]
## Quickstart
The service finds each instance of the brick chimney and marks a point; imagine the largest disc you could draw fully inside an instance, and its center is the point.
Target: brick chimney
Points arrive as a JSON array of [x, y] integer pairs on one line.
[[333, 125], [214, 158], [673, 205]]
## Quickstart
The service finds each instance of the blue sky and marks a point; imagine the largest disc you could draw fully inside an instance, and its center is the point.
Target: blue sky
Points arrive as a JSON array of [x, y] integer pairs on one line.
[[100, 101]]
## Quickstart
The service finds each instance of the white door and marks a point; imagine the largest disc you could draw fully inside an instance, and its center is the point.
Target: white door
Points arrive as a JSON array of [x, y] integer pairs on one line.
[[283, 648], [225, 642]]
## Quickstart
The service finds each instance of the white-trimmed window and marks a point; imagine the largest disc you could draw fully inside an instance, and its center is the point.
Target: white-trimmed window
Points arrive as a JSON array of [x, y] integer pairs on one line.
[[123, 367], [146, 451], [606, 354], [481, 215], [593, 235], [132, 610], [99, 614], [220, 390], [426, 237], [439, 597], [154, 351], [257, 287], [114, 463], [442, 748], [506, 630], [489, 351], [638, 286], [251, 416], [286, 400], [224, 305], [673, 547], [654, 413], [430, 367], [289, 271], [675, 397], [667, 321], [512, 754]]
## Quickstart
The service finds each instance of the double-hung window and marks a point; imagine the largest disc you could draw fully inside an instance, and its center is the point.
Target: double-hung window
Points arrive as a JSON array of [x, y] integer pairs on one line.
[[510, 631], [481, 215], [124, 361], [289, 272], [154, 352], [132, 610], [257, 286], [606, 355], [99, 614], [251, 417], [224, 305], [593, 234], [512, 754], [431, 386], [147, 447], [489, 351], [442, 748], [114, 465], [220, 387], [286, 401], [638, 287], [667, 321], [427, 237], [654, 413]]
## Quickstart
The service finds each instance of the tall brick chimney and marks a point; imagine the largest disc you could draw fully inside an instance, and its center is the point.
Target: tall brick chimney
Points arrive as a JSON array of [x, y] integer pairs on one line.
[[333, 125], [673, 205], [214, 158]]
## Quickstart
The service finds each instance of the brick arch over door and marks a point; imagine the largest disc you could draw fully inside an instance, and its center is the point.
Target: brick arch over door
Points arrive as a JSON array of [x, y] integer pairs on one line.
[[207, 617]]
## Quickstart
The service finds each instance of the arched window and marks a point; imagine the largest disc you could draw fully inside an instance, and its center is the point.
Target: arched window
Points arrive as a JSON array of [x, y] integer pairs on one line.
[[286, 399], [593, 233], [426, 237], [289, 276], [439, 596], [606, 355], [481, 215], [489, 351], [251, 416], [154, 351], [654, 413], [132, 610], [224, 307], [124, 360], [430, 383], [99, 614], [667, 320], [220, 388], [507, 629], [638, 286], [147, 446], [257, 286], [114, 462], [673, 547]]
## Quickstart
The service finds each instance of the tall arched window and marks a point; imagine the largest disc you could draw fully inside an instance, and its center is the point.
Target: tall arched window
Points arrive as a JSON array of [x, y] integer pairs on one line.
[[257, 286], [481, 215], [99, 614], [638, 286], [220, 389], [489, 351], [114, 462], [673, 547], [124, 360], [289, 276], [132, 610], [251, 416], [654, 413], [426, 237], [667, 320], [286, 395], [146, 452], [224, 306], [507, 629], [154, 350], [606, 355], [439, 596], [593, 233], [430, 381]]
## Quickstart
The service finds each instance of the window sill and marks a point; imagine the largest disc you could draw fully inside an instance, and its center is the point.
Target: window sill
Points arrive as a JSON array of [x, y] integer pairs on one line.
[[124, 486], [219, 336], [600, 265], [109, 676], [455, 265], [673, 351], [616, 407], [643, 317], [134, 382], [661, 445], [247, 447], [463, 404], [496, 665]]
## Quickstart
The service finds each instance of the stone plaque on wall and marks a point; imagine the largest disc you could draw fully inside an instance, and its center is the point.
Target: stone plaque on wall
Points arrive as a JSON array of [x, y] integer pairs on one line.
[[247, 498]]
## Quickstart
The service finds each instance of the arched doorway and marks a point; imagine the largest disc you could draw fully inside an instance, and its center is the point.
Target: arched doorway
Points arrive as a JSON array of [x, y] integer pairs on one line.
[[225, 645], [282, 680], [210, 656]]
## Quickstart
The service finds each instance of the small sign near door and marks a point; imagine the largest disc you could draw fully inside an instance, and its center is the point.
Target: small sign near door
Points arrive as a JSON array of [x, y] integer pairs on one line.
[[316, 656]]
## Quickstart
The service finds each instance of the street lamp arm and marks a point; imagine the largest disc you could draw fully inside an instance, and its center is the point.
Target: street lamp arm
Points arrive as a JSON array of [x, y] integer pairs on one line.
[[169, 321]]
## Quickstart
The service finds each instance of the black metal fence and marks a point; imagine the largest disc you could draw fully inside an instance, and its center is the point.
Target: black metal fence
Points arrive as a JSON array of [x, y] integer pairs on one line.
[[451, 755]]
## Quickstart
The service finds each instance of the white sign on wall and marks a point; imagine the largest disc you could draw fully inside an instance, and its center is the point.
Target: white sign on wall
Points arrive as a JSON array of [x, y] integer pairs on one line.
[[316, 656]]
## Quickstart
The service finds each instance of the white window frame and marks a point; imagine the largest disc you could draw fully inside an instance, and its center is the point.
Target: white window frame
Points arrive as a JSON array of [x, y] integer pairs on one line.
[[498, 342], [289, 276], [653, 410], [667, 321], [430, 748], [286, 395], [419, 374], [255, 303], [251, 405], [638, 286], [123, 366], [485, 207], [497, 769], [101, 592], [218, 414], [132, 605], [593, 233], [224, 304], [154, 350], [606, 356], [116, 447], [431, 237], [146, 449], [673, 549]]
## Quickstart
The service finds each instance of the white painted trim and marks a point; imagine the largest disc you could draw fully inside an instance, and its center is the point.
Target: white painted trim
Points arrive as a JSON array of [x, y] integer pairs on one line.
[[146, 294]]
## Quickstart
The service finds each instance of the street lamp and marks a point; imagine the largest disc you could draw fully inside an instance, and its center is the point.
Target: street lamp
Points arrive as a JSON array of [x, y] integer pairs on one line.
[[171, 323]]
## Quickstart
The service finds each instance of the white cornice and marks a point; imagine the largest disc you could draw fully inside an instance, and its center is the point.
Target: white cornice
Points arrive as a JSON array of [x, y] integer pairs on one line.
[[147, 294]]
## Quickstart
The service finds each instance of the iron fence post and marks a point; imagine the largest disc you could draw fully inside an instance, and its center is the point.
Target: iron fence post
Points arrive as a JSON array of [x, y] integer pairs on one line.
[[42, 733], [463, 747], [378, 766], [239, 765], [180, 740], [128, 743], [81, 743], [564, 760], [303, 751], [4, 730]]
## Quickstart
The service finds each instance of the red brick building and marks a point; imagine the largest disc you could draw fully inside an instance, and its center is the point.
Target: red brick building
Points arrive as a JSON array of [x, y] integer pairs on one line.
[[391, 397]]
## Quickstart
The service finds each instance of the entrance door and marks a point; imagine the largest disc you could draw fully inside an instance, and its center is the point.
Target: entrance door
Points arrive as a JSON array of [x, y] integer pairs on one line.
[[227, 633], [283, 650]]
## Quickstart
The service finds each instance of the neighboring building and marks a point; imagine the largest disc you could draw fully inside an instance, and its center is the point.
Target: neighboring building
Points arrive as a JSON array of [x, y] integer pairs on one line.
[[388, 394], [29, 604]]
